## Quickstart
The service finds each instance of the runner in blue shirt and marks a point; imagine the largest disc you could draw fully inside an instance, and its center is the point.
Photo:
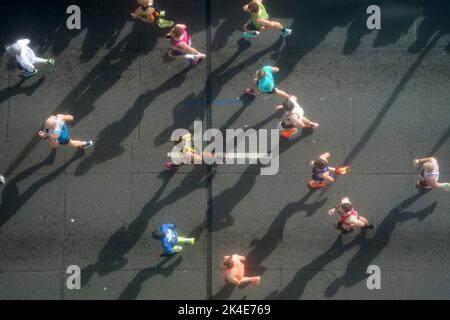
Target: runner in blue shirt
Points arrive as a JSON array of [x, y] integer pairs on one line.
[[265, 83], [169, 238], [56, 132]]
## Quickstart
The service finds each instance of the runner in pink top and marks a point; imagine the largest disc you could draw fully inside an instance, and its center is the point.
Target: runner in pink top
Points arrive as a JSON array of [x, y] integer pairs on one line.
[[349, 217], [235, 271], [181, 45]]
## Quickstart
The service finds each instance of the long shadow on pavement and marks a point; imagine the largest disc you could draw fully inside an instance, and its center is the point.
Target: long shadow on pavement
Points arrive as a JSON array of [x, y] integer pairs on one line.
[[110, 138], [80, 102], [12, 201], [262, 248], [112, 256], [18, 89], [133, 288], [371, 248]]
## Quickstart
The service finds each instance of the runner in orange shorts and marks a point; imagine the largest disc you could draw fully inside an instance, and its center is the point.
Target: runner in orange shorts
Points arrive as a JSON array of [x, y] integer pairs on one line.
[[235, 271]]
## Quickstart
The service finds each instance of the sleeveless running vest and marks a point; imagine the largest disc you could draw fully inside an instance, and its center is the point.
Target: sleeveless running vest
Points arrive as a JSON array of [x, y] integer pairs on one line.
[[61, 130], [317, 172], [344, 218], [262, 15]]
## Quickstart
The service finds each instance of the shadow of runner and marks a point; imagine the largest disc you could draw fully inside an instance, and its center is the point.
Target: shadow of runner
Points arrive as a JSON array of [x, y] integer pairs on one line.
[[231, 197], [54, 34], [133, 288], [17, 89], [80, 101], [295, 289], [262, 248], [435, 15], [265, 246], [387, 106], [12, 201], [371, 248], [112, 256], [390, 101], [183, 115], [441, 142], [397, 18], [225, 292], [108, 142]]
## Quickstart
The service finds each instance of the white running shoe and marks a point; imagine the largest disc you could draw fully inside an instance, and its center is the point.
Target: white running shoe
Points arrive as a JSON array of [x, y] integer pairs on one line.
[[87, 145], [286, 33]]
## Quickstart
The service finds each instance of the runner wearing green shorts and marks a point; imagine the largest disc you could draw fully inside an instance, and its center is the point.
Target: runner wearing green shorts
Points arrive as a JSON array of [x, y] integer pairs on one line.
[[260, 21]]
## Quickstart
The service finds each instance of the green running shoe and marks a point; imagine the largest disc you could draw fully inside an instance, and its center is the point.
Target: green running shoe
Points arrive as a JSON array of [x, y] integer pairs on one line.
[[163, 23], [51, 62]]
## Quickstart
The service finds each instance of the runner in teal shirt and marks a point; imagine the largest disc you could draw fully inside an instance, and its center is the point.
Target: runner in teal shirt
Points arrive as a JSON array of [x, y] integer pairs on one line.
[[267, 84]]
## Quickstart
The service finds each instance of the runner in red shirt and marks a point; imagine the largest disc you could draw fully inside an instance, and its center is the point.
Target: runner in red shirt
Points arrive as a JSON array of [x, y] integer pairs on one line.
[[235, 271], [349, 217]]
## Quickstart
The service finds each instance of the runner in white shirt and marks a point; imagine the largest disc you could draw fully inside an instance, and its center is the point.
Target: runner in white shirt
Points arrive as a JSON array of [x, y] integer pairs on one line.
[[293, 118], [26, 58], [429, 175]]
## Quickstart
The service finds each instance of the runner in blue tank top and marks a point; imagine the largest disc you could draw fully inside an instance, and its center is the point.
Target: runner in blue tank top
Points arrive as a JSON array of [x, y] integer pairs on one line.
[[56, 132], [322, 173]]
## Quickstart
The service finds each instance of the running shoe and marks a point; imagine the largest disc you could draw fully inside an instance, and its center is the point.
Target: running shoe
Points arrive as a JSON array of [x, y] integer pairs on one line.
[[162, 13], [195, 61], [252, 92], [286, 32], [250, 34], [343, 170], [177, 249], [51, 62], [87, 144], [314, 185], [2, 179], [27, 74], [256, 280], [288, 133], [170, 165], [163, 23]]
